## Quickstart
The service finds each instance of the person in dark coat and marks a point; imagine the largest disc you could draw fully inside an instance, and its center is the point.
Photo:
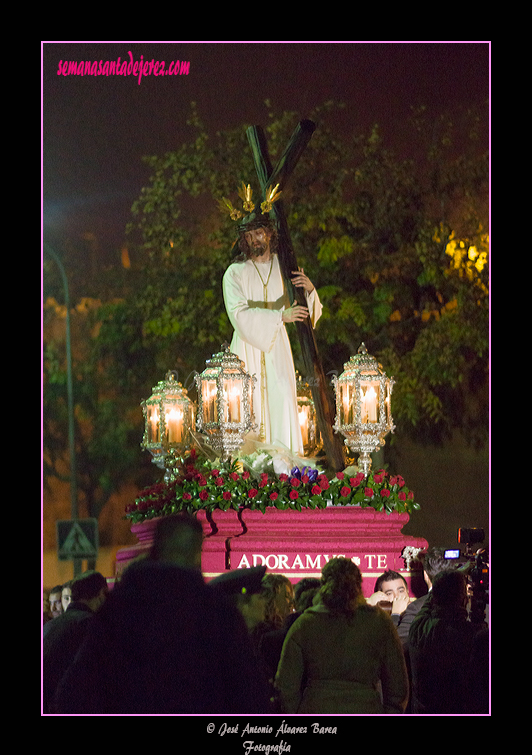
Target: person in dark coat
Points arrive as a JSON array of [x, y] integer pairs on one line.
[[441, 643], [63, 635], [434, 562], [271, 643], [342, 655], [243, 588], [165, 643]]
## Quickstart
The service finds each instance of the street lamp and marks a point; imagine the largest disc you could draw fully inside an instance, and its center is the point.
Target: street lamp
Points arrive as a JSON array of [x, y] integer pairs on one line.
[[225, 402], [363, 406], [168, 421], [70, 401]]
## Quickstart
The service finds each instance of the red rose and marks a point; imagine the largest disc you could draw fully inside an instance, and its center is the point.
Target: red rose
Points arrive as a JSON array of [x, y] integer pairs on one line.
[[203, 495], [219, 481], [411, 496], [316, 490], [215, 472], [186, 496], [340, 475], [264, 476], [345, 491], [356, 480], [274, 496], [305, 478], [393, 481], [368, 492], [402, 496], [283, 477], [201, 480], [245, 475], [252, 493], [378, 478], [263, 483], [385, 493], [294, 494], [401, 481], [234, 476], [226, 495], [294, 482], [324, 483]]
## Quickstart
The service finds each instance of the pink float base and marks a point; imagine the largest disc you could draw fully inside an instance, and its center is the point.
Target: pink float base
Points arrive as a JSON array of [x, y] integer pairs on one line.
[[295, 543]]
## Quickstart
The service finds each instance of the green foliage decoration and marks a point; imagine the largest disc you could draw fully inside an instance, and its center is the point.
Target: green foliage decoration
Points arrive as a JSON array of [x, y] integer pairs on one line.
[[251, 482]]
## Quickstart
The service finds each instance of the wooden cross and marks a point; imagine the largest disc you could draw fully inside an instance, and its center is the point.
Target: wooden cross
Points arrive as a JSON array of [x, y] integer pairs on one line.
[[288, 264]]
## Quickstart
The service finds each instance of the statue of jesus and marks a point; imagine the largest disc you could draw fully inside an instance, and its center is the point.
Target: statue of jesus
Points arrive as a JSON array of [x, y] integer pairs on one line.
[[258, 307]]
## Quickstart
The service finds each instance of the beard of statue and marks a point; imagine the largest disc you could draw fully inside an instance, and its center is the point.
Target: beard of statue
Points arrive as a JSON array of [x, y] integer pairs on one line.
[[257, 248], [248, 252]]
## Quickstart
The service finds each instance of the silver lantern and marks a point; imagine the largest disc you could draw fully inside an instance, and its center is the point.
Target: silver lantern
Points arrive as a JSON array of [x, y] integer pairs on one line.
[[363, 406], [225, 403], [168, 422]]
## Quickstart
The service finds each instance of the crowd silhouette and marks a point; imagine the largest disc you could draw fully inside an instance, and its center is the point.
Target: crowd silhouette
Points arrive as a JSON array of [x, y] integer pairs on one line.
[[164, 641]]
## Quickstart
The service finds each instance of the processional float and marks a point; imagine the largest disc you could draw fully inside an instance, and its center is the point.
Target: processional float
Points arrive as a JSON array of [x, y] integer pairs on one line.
[[347, 511]]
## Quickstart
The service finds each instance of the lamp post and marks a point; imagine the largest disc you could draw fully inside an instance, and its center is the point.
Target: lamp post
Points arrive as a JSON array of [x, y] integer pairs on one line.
[[168, 421], [363, 406], [70, 402], [225, 402]]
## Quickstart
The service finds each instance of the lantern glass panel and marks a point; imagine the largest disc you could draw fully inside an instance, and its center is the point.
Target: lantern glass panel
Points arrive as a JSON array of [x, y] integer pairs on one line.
[[369, 401], [233, 390], [209, 399], [173, 417], [153, 423], [347, 406], [304, 423], [388, 404]]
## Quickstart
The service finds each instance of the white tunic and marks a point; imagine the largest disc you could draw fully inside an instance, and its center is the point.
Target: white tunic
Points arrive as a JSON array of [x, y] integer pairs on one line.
[[259, 328]]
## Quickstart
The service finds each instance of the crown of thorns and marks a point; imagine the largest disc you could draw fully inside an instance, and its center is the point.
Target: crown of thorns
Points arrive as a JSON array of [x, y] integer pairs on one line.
[[245, 193]]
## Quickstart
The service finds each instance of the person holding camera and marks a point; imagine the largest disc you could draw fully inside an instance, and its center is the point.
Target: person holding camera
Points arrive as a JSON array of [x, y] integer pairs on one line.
[[441, 644]]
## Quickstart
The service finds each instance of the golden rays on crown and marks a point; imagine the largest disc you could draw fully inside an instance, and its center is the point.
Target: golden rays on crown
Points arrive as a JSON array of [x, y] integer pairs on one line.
[[245, 193]]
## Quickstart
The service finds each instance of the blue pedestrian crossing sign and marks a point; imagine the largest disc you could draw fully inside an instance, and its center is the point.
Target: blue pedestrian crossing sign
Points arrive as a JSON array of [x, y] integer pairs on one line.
[[77, 538]]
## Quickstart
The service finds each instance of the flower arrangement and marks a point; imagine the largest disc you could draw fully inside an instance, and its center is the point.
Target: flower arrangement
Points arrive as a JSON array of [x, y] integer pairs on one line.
[[253, 482]]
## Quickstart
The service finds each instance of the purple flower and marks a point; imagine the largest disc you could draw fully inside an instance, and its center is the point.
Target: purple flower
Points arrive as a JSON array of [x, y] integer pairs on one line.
[[309, 472], [312, 474]]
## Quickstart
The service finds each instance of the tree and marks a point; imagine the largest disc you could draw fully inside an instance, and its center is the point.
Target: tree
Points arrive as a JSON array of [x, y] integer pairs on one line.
[[106, 428], [375, 233]]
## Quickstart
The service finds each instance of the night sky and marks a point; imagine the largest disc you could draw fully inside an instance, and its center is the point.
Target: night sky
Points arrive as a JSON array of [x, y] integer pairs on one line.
[[97, 128]]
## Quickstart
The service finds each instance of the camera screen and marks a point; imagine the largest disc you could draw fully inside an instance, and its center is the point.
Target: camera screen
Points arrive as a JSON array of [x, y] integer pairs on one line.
[[453, 553]]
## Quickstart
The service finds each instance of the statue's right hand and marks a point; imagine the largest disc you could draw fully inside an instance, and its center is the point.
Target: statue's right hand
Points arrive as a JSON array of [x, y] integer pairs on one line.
[[295, 313]]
